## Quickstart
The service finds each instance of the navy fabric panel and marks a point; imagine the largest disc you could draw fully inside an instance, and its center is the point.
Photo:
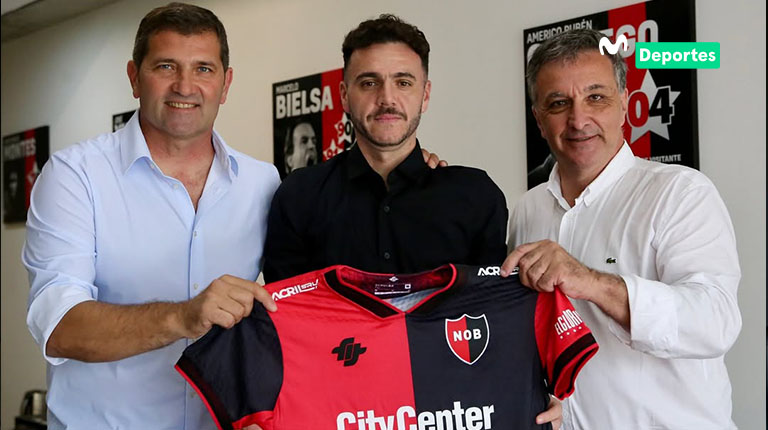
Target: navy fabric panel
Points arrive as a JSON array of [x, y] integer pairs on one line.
[[244, 365], [508, 375]]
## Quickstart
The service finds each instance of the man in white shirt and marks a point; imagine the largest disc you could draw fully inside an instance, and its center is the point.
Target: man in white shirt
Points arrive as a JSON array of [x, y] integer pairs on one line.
[[647, 251], [139, 241]]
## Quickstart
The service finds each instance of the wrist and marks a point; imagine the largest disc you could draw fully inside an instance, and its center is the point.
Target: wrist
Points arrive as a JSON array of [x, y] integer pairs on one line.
[[174, 321], [601, 286]]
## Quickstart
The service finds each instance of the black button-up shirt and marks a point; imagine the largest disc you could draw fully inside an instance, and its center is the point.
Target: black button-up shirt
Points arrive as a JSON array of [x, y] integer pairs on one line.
[[341, 212]]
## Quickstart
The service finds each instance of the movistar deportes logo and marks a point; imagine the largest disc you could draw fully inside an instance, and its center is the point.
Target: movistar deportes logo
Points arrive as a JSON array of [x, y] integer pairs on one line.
[[349, 351], [613, 48]]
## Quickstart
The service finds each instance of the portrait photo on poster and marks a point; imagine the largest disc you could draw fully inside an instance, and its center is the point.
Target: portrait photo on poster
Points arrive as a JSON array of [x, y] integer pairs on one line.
[[301, 147], [309, 122]]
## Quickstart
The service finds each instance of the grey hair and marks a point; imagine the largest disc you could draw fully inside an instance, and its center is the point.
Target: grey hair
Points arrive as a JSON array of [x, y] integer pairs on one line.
[[566, 47]]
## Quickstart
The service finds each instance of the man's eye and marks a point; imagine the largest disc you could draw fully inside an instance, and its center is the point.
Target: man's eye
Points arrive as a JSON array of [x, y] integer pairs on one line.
[[205, 69], [368, 84], [596, 97], [557, 104], [165, 66], [405, 84]]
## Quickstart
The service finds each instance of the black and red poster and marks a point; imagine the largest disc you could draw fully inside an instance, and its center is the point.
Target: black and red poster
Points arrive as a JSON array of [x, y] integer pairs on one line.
[[24, 155], [310, 125], [662, 120]]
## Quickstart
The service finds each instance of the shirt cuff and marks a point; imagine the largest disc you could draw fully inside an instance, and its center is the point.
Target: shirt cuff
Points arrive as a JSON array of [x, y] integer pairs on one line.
[[653, 317], [47, 310]]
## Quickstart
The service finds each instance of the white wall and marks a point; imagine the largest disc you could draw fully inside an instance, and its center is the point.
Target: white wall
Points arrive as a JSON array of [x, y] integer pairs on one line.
[[72, 77]]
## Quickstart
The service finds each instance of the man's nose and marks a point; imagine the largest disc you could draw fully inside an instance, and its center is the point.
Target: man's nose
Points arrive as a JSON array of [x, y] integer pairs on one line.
[[183, 84], [386, 96], [578, 116]]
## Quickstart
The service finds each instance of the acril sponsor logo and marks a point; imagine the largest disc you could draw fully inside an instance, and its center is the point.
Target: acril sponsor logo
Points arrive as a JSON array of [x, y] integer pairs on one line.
[[406, 418], [489, 271], [295, 289]]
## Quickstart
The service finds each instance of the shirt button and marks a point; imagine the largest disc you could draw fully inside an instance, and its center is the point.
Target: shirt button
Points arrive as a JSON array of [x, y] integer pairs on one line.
[[191, 394], [175, 186], [387, 256], [386, 208], [194, 233], [195, 286]]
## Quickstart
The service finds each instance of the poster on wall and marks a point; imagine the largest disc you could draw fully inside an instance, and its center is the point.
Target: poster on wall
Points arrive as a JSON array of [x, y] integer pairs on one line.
[[120, 119], [24, 155], [662, 120], [310, 125]]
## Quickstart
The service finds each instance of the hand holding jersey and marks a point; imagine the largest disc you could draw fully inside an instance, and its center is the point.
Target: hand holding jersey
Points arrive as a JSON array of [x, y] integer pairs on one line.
[[225, 302], [545, 265]]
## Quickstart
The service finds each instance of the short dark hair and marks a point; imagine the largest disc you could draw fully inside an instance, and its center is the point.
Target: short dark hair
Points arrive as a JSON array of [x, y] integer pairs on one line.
[[387, 28], [567, 46], [184, 19]]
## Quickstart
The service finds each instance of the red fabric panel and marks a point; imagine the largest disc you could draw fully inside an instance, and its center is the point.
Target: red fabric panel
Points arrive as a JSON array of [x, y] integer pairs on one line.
[[307, 323], [564, 341]]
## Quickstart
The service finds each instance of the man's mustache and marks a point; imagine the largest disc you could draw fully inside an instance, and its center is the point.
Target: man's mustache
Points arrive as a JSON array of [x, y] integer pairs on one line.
[[389, 111]]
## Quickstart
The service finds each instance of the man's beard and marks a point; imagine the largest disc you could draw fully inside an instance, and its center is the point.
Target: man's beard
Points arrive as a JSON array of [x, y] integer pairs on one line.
[[361, 130]]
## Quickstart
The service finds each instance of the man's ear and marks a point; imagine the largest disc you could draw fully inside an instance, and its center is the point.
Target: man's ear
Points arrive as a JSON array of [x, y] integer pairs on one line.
[[343, 94], [624, 105], [227, 83], [133, 76], [427, 90], [538, 120]]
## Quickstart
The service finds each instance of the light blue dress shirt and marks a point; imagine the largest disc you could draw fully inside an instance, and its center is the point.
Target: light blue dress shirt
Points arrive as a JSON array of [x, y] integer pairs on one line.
[[106, 224]]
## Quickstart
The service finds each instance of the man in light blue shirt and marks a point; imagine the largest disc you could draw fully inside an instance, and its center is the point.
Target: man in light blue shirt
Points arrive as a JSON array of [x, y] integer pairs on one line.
[[140, 240]]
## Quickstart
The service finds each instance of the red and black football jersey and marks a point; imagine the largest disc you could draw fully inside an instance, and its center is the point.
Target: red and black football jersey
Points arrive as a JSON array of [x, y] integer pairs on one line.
[[477, 352]]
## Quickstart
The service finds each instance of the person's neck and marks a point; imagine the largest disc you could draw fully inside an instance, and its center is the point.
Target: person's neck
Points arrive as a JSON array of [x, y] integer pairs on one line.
[[179, 156], [574, 179], [573, 184], [384, 160], [188, 161]]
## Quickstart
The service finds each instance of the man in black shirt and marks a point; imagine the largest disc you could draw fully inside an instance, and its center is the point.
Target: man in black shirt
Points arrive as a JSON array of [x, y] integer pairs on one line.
[[378, 207], [342, 212]]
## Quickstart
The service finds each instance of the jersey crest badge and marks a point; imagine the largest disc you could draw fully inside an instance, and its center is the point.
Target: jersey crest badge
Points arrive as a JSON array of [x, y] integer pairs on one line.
[[467, 337]]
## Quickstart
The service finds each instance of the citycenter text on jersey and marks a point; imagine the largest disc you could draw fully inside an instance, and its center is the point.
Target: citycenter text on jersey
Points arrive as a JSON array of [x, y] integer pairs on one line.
[[458, 418]]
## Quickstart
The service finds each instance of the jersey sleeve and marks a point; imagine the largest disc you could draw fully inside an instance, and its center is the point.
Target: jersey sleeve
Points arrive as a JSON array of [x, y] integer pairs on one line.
[[238, 372], [564, 341]]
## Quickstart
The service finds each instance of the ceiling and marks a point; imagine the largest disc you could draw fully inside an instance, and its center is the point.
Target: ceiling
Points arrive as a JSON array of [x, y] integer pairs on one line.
[[21, 17]]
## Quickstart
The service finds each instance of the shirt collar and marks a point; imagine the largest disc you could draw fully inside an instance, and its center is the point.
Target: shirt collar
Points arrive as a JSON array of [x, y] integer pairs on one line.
[[412, 168], [619, 164], [133, 146]]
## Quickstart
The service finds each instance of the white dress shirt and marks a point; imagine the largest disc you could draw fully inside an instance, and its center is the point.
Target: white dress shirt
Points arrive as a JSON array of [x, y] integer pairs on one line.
[[106, 224], [665, 230]]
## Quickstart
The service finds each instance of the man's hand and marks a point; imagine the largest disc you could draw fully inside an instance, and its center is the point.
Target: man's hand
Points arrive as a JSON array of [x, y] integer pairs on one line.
[[545, 265], [432, 160], [553, 414], [225, 302]]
